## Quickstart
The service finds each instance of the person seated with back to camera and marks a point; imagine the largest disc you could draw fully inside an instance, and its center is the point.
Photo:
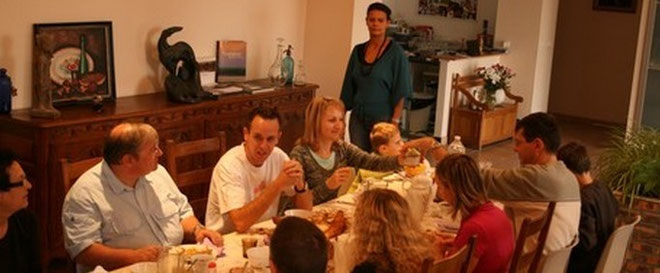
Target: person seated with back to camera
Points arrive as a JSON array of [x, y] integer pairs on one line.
[[598, 212], [297, 246], [384, 237]]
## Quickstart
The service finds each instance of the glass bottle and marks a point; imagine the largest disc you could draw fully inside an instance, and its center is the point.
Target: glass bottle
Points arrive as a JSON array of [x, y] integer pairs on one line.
[[6, 90], [299, 79], [288, 65], [456, 146], [276, 73], [83, 66]]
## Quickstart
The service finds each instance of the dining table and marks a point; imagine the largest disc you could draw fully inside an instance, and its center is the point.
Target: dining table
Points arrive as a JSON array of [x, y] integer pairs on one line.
[[436, 218]]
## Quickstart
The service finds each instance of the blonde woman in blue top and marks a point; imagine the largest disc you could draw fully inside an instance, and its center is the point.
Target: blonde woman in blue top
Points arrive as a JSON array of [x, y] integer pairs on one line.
[[377, 79]]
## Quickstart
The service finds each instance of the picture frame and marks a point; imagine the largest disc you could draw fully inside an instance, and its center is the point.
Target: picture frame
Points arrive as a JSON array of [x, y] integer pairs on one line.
[[60, 69], [231, 61], [629, 6]]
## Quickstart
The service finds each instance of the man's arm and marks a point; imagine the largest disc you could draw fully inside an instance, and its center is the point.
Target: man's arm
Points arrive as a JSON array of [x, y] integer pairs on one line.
[[112, 258], [193, 231], [304, 200], [244, 217]]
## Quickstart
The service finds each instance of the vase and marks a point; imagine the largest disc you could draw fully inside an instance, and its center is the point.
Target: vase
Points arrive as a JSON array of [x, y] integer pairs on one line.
[[500, 96], [6, 91], [299, 79], [277, 74], [488, 97]]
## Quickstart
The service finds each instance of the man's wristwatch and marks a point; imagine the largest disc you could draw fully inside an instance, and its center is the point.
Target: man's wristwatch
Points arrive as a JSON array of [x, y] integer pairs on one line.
[[303, 190]]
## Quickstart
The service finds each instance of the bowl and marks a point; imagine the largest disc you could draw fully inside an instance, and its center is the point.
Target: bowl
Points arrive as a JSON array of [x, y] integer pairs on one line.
[[259, 256], [301, 213]]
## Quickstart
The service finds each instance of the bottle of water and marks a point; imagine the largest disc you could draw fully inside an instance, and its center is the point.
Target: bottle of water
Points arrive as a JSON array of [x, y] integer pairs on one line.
[[456, 146]]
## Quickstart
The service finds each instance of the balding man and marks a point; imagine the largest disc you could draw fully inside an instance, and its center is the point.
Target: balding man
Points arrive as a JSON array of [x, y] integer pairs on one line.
[[123, 209]]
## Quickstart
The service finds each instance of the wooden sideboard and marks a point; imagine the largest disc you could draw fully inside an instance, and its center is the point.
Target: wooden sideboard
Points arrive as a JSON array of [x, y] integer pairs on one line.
[[78, 134]]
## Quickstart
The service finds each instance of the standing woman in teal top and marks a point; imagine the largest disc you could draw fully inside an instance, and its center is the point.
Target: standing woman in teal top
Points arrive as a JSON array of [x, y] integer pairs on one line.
[[377, 79]]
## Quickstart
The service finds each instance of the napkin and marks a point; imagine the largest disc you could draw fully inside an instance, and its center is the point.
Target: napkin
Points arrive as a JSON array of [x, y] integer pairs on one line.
[[218, 249]]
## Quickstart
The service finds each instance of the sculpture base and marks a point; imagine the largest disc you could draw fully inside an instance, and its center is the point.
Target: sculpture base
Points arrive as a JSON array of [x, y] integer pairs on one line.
[[45, 113]]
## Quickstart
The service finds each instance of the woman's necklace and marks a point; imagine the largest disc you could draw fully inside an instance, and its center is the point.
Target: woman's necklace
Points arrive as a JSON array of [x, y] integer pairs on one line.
[[366, 68]]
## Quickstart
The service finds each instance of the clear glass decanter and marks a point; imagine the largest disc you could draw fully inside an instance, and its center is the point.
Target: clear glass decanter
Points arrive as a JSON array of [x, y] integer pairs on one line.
[[277, 74]]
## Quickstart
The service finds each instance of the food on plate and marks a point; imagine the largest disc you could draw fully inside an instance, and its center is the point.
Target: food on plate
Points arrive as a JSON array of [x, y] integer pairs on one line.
[[331, 222], [261, 231], [411, 157], [190, 250], [414, 170]]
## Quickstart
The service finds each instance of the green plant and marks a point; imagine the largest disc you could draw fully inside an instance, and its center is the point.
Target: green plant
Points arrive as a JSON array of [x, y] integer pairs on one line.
[[631, 164]]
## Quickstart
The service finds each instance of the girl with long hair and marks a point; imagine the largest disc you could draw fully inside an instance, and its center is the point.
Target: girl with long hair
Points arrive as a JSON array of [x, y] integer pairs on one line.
[[384, 236]]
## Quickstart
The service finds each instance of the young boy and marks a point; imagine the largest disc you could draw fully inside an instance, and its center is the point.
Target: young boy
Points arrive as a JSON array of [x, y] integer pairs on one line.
[[386, 140]]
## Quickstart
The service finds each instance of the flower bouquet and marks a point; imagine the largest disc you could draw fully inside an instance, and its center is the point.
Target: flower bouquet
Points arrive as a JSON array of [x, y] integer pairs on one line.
[[495, 77]]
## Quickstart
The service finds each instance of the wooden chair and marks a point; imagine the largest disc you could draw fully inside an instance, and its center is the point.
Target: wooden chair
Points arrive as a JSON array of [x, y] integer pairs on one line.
[[484, 125], [200, 175], [611, 260], [72, 171], [530, 228], [458, 262]]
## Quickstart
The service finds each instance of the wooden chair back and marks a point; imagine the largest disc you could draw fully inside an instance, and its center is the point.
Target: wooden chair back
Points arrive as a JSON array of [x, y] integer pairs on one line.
[[464, 84], [72, 171], [477, 123], [458, 262], [199, 176], [529, 229]]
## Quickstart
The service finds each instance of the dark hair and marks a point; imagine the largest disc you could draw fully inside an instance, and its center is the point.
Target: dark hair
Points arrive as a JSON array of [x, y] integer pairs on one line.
[[126, 140], [380, 6], [265, 112], [6, 159], [575, 157], [297, 245], [542, 126]]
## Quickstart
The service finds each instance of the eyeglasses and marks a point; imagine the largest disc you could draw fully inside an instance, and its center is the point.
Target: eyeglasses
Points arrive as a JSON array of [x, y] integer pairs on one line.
[[15, 184]]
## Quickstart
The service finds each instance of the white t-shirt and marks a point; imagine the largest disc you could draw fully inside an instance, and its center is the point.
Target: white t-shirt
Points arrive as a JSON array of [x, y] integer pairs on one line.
[[235, 182]]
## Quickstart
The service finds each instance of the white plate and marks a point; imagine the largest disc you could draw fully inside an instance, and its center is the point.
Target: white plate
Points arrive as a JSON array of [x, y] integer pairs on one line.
[[65, 58], [305, 214]]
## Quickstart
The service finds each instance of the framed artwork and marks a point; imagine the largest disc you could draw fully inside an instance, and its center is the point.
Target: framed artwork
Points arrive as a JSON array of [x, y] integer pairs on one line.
[[616, 5], [231, 59], [74, 61], [462, 9]]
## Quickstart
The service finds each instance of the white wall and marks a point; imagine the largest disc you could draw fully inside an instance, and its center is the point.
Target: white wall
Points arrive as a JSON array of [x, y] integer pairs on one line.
[[447, 28], [530, 26], [332, 28], [137, 26]]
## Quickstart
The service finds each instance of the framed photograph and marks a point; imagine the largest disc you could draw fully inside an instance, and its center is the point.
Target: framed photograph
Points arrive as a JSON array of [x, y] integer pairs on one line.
[[231, 58], [461, 9], [74, 61], [616, 5]]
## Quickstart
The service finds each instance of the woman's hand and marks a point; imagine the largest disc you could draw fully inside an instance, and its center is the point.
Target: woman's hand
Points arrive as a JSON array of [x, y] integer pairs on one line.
[[339, 177]]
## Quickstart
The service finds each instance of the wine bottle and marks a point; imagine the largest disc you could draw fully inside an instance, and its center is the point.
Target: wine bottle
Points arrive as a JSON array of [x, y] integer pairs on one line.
[[83, 66]]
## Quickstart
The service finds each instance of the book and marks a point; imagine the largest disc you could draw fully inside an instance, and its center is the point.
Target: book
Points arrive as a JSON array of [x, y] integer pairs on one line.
[[231, 57]]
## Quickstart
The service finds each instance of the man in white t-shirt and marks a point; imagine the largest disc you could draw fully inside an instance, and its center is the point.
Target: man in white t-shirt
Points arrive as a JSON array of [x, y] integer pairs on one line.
[[249, 179]]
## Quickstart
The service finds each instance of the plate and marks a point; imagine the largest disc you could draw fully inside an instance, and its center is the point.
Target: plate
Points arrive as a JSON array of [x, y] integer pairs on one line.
[[65, 62], [193, 249]]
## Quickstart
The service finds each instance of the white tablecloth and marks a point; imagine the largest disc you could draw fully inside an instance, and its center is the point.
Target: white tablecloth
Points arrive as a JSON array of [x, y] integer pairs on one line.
[[436, 217]]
